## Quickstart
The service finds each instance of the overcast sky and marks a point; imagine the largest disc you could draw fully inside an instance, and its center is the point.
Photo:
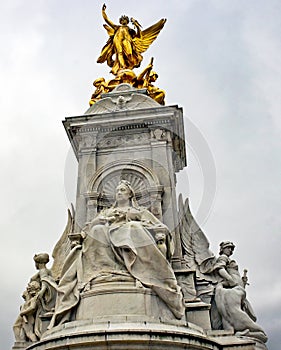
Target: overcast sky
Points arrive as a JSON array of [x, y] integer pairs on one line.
[[218, 59]]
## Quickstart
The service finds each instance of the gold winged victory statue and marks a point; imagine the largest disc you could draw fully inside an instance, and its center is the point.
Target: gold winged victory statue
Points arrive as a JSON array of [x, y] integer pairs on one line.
[[123, 52], [125, 45]]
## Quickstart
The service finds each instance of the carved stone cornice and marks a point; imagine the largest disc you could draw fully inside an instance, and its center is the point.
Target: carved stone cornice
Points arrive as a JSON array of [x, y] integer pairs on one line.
[[88, 132]]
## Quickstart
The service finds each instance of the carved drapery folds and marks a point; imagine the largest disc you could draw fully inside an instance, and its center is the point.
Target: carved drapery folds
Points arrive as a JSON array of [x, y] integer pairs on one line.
[[124, 242]]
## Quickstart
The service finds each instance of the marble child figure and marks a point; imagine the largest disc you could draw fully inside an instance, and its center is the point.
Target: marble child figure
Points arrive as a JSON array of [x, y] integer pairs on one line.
[[25, 325], [119, 245]]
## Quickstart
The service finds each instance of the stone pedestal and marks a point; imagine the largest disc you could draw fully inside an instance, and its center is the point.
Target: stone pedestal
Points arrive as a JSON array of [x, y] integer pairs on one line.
[[122, 301], [135, 336], [197, 312]]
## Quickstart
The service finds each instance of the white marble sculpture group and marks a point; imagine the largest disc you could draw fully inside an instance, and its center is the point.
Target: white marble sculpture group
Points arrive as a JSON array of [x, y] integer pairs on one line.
[[132, 259], [124, 243]]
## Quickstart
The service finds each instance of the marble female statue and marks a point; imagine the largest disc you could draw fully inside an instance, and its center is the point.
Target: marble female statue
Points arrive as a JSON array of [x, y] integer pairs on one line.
[[119, 246], [218, 280], [125, 45], [40, 298], [230, 297], [48, 291]]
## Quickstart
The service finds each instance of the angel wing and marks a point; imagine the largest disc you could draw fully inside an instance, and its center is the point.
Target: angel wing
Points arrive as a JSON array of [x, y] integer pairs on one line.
[[195, 244], [62, 247], [148, 35]]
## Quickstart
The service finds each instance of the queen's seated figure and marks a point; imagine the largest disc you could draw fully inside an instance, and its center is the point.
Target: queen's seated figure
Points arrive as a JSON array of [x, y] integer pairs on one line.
[[124, 242]]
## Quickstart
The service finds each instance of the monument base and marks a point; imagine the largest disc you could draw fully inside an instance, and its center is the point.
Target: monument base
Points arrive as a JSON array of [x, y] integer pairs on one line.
[[125, 315], [134, 336], [125, 301]]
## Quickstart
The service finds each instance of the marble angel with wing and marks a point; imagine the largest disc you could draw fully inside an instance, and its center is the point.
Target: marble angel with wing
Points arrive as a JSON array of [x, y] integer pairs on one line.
[[218, 280], [125, 45]]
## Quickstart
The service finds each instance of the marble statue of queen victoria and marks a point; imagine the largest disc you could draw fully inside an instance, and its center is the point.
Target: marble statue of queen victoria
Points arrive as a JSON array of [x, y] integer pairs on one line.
[[118, 244]]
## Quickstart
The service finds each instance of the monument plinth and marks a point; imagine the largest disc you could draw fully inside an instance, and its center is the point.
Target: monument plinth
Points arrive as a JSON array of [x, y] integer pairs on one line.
[[133, 270]]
